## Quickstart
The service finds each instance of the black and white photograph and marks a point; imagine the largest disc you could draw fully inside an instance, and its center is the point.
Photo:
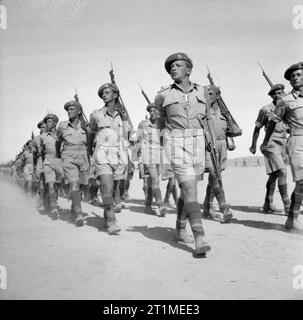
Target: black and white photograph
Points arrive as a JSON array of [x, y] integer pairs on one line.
[[151, 151]]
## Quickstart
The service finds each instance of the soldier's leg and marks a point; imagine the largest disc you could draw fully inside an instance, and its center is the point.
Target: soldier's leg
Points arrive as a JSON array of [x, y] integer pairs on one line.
[[156, 190], [117, 196], [269, 205], [181, 233], [93, 191], [167, 193], [75, 195], [149, 195], [220, 196], [208, 211], [292, 221], [108, 203], [282, 185], [174, 190], [52, 196], [192, 211]]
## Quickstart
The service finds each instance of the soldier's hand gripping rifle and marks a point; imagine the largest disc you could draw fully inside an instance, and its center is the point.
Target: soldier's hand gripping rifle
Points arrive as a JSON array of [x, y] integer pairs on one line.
[[266, 76], [233, 129], [121, 105], [207, 124]]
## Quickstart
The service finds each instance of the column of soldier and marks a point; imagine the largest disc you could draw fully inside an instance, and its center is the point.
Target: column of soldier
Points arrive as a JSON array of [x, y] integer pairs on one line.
[[187, 133]]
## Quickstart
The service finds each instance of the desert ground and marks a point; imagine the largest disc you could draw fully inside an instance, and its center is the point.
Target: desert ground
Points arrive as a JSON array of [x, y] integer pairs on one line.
[[251, 258]]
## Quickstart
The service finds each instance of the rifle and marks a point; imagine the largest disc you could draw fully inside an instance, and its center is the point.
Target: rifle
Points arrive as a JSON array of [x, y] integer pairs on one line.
[[233, 128], [121, 104], [265, 76], [84, 125], [144, 94], [205, 122]]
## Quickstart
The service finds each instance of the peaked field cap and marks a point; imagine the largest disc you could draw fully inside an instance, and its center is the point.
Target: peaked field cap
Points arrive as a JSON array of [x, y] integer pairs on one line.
[[291, 69], [40, 123], [176, 56], [73, 103], [276, 87], [150, 106], [107, 85], [50, 116]]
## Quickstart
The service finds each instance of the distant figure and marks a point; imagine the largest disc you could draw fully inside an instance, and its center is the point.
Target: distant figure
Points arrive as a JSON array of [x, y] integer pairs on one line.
[[244, 163], [258, 162]]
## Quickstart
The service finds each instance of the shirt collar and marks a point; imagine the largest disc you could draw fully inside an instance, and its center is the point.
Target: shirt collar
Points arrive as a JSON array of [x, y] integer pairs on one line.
[[108, 113], [71, 125], [297, 93], [191, 88]]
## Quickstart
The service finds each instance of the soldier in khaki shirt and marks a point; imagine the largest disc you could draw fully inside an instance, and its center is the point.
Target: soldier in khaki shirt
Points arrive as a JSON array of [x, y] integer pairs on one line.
[[290, 110], [148, 137], [275, 157], [72, 136], [182, 103], [38, 163], [52, 166], [219, 125], [109, 130]]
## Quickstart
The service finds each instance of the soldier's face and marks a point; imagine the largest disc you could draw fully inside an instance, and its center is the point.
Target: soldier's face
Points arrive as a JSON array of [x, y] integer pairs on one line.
[[277, 95], [50, 124], [43, 128], [73, 112], [296, 79], [154, 114], [179, 70], [108, 95]]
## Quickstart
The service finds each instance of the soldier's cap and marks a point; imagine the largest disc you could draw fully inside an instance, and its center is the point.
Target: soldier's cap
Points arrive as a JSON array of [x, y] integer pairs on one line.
[[278, 86], [150, 106], [40, 123], [107, 85], [214, 89], [73, 103], [51, 116], [174, 57], [291, 69]]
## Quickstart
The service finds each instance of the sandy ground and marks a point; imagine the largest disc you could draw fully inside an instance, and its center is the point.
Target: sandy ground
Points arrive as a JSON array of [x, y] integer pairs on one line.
[[251, 258]]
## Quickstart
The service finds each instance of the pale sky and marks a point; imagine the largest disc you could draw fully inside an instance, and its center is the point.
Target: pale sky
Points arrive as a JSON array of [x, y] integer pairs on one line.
[[52, 46]]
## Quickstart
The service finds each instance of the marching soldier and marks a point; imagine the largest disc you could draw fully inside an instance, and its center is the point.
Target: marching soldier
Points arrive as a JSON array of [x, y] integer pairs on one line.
[[289, 109], [109, 128], [213, 188], [275, 157], [148, 135], [38, 162], [52, 166], [27, 164], [182, 103], [72, 136]]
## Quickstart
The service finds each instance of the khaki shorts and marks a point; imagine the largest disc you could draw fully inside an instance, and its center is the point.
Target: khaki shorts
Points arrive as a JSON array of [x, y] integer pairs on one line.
[[294, 149], [28, 171], [53, 170], [276, 156], [186, 153], [166, 172], [221, 151], [118, 171], [75, 166], [39, 167]]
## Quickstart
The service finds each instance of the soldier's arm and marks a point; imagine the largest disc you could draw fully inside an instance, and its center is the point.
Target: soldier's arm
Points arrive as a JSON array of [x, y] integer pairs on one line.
[[260, 122], [59, 140], [92, 134]]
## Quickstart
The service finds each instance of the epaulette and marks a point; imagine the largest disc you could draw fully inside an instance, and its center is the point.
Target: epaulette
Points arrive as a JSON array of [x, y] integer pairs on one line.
[[165, 88]]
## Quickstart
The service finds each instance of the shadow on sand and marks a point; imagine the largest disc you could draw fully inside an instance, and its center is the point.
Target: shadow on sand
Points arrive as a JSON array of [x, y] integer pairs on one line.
[[166, 235]]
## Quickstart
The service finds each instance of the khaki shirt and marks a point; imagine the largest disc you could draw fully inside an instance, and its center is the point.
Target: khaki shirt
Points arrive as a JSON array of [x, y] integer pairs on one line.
[[149, 134], [266, 114], [219, 122], [290, 110], [27, 157], [48, 144], [72, 137], [180, 108], [111, 136]]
